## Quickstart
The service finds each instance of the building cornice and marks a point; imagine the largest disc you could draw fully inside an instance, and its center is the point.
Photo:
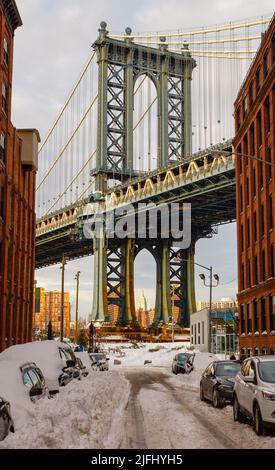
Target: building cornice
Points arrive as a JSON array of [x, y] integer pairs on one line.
[[12, 14]]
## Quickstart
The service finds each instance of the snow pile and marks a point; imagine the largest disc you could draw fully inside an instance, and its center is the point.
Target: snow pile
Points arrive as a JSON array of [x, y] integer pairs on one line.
[[85, 414], [160, 354], [201, 361]]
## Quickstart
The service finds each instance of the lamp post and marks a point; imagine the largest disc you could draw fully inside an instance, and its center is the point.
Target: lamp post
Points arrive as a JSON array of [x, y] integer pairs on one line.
[[62, 298], [173, 306], [210, 285], [76, 305]]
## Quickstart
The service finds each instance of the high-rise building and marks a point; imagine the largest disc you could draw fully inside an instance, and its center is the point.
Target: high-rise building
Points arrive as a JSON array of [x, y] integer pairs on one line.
[[224, 302], [48, 308], [18, 165], [255, 183]]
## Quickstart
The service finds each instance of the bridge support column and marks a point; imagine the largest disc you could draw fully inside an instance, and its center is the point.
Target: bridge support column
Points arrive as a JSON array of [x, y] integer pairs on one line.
[[163, 297], [182, 277], [129, 312], [100, 305]]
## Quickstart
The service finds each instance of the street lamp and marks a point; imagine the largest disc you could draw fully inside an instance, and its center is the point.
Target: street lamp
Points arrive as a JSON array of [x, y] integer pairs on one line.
[[210, 285], [76, 305], [62, 298]]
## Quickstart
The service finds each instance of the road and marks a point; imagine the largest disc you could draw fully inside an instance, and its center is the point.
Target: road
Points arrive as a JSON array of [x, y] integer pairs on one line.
[[161, 414]]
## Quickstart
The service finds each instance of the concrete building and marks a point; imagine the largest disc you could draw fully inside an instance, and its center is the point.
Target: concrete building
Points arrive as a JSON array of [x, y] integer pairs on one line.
[[218, 335], [18, 165], [48, 308], [224, 302], [255, 136]]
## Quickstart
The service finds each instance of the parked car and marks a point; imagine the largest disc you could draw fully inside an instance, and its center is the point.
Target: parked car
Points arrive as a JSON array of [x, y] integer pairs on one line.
[[22, 384], [56, 360], [217, 382], [254, 393], [6, 422], [179, 362], [99, 361], [83, 369]]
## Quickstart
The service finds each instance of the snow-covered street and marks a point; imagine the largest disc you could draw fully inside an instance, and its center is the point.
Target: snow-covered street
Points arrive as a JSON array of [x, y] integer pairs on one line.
[[134, 406]]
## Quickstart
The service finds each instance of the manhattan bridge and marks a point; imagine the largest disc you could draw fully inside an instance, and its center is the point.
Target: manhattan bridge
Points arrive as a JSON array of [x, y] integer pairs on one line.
[[149, 120]]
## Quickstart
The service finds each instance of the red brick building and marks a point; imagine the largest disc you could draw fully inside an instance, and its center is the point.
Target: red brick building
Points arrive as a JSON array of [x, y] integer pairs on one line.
[[255, 133], [18, 164]]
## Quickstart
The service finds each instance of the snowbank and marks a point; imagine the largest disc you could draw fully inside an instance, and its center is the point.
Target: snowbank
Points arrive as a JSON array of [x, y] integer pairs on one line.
[[85, 414]]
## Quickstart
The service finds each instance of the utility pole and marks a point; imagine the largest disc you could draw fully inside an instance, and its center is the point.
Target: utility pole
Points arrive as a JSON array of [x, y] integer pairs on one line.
[[76, 304], [62, 298]]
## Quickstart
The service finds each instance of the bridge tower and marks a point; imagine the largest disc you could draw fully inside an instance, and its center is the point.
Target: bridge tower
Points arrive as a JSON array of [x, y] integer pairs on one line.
[[120, 64]]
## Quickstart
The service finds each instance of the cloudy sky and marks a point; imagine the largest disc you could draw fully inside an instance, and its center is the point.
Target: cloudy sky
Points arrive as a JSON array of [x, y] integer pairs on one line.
[[51, 49]]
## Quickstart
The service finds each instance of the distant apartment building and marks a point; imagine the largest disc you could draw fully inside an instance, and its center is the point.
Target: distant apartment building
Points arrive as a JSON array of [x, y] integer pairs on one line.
[[48, 309], [18, 165], [255, 184], [224, 302]]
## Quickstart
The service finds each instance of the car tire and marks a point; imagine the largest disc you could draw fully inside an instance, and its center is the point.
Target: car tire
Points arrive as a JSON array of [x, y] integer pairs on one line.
[[201, 393], [176, 370], [216, 399], [237, 414], [258, 421]]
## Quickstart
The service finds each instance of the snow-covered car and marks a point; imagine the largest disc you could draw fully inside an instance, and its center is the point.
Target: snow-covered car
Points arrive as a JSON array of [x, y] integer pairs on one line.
[[198, 361], [6, 422], [82, 368], [99, 361], [179, 362], [21, 385], [56, 360]]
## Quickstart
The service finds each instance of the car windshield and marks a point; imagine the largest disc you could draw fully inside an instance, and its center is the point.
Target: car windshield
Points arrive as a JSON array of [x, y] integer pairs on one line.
[[229, 369], [267, 371], [182, 358], [97, 357]]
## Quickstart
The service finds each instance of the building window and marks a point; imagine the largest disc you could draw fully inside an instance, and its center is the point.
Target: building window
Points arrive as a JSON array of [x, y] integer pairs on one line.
[[245, 152], [4, 96], [268, 167], [255, 314], [254, 182], [270, 218], [262, 220], [248, 232], [257, 80], [249, 318], [273, 48], [241, 197], [238, 119], [242, 277], [267, 114], [261, 178], [202, 328], [242, 239], [243, 353], [3, 147], [272, 260], [259, 129], [249, 274], [250, 93], [263, 266], [252, 140], [2, 203], [256, 269], [195, 333], [6, 51], [247, 191], [242, 320], [272, 312], [244, 107], [256, 351], [265, 61], [240, 160], [255, 226], [263, 314]]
